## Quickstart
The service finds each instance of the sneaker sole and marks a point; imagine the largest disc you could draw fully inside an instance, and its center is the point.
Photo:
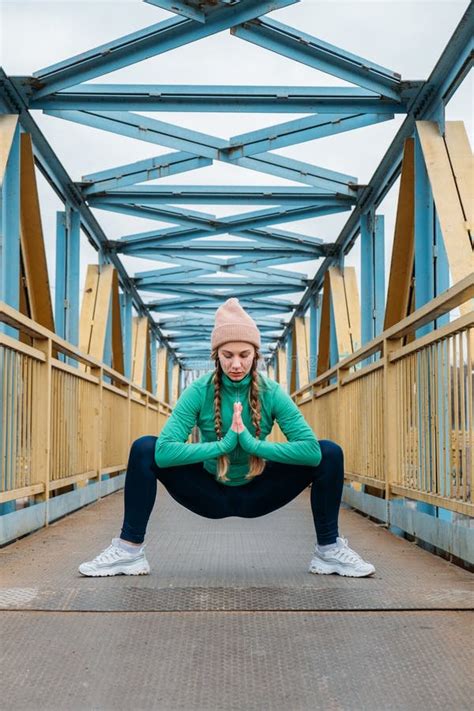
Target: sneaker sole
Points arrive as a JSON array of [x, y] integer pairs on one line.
[[106, 572], [326, 569]]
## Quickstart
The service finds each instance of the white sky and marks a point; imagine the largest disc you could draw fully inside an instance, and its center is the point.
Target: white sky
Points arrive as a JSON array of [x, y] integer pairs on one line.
[[403, 36]]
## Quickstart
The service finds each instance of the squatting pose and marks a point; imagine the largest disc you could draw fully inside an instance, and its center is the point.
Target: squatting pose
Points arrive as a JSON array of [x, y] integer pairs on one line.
[[233, 471]]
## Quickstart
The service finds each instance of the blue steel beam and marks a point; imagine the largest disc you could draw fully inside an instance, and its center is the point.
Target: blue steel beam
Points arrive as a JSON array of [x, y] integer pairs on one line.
[[204, 328], [148, 42], [188, 319], [181, 7], [150, 130], [212, 264], [149, 169], [320, 55], [211, 227], [254, 238], [190, 273], [214, 195], [229, 291], [211, 305], [202, 144], [318, 177], [67, 276], [301, 130], [157, 278], [372, 258], [216, 99], [200, 338], [164, 304], [175, 257], [298, 171], [224, 292], [10, 233]]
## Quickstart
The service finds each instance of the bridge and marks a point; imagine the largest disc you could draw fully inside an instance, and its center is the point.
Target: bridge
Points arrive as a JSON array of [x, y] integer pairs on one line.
[[377, 353]]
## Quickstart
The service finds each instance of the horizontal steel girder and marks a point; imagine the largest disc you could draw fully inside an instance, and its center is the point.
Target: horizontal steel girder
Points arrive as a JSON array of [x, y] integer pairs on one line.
[[214, 195], [215, 99], [205, 226], [252, 238]]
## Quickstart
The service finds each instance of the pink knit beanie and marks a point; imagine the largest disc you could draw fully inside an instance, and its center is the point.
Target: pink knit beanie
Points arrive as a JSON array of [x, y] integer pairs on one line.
[[234, 324]]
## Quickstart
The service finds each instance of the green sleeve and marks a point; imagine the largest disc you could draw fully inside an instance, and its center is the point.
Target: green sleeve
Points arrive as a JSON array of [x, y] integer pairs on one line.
[[302, 446], [172, 448]]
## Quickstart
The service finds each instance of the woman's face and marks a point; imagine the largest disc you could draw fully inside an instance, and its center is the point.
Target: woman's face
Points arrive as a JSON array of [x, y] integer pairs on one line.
[[236, 359]]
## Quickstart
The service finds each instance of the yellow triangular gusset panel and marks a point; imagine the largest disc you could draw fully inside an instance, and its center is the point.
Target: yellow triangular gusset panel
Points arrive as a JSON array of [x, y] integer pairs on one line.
[[282, 373], [301, 356], [8, 126], [100, 291], [139, 348], [174, 384], [293, 379], [117, 339], [449, 164], [162, 375], [340, 289], [35, 294], [400, 285], [324, 327]]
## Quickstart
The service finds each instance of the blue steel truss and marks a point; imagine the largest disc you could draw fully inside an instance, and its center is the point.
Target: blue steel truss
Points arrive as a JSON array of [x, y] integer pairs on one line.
[[217, 257]]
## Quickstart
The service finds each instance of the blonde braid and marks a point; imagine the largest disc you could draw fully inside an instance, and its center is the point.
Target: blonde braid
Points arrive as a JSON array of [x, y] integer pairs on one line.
[[257, 465], [223, 461]]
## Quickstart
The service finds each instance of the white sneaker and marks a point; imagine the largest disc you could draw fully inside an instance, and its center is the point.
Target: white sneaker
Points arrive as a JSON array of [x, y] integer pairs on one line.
[[342, 560], [114, 560]]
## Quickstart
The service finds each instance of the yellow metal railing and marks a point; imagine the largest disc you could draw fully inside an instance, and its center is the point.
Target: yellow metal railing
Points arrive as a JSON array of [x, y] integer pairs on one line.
[[60, 424], [405, 421]]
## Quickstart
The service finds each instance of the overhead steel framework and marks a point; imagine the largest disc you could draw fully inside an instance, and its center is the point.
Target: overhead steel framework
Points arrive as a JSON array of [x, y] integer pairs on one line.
[[213, 257]]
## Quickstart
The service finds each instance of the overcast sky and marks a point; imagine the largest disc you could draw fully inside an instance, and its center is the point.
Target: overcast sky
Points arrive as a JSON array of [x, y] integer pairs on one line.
[[406, 37]]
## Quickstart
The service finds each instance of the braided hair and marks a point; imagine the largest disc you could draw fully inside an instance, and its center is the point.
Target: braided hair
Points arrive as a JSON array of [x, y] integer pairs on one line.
[[256, 464]]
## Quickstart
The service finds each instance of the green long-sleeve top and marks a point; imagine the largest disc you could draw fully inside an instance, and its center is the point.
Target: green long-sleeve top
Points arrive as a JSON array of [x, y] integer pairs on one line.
[[195, 406]]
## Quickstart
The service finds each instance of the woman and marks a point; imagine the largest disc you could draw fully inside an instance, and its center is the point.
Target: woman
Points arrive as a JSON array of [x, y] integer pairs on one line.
[[233, 471]]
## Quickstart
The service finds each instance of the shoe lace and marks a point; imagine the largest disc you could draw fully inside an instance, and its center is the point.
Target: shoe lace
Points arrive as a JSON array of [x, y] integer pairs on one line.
[[108, 555], [346, 554]]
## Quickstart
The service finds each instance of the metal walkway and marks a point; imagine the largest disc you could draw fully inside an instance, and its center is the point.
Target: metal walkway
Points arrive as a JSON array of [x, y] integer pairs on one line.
[[230, 619]]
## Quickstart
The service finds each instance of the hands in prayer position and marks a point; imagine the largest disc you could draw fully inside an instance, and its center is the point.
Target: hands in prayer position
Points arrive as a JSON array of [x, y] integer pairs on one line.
[[237, 423]]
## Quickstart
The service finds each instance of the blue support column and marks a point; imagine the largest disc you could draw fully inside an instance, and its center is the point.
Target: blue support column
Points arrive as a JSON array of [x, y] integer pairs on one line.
[[333, 347], [314, 324], [372, 255], [67, 276], [169, 374], [424, 236], [10, 233], [153, 346], [9, 281], [424, 273], [289, 356], [442, 283], [126, 312]]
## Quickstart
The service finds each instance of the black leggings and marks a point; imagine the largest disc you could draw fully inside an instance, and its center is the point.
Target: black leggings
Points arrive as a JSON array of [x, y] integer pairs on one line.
[[196, 489]]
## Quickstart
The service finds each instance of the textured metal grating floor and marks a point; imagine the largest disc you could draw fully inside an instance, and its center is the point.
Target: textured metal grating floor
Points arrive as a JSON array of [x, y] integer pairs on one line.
[[229, 619], [238, 661], [231, 564]]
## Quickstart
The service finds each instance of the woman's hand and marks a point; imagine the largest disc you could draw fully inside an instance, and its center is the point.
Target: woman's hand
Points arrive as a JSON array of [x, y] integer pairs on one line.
[[237, 423]]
